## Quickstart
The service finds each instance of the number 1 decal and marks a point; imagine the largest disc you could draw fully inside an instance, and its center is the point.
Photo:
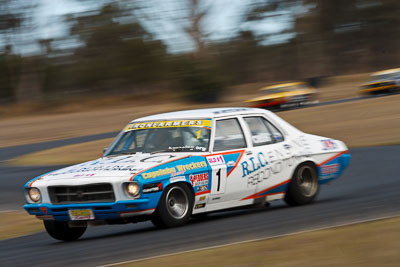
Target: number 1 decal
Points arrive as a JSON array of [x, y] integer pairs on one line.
[[198, 134], [218, 180]]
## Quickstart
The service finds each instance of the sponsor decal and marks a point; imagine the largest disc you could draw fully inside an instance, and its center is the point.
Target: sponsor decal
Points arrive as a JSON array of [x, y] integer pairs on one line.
[[230, 163], [328, 144], [177, 173], [160, 172], [84, 175], [168, 124], [151, 188], [199, 179], [103, 168], [215, 160], [229, 110], [187, 147], [177, 179], [173, 170], [330, 169], [191, 166], [262, 167], [202, 188], [199, 206], [202, 198]]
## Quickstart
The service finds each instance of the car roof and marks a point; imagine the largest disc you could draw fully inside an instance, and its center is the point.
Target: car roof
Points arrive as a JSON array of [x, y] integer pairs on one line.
[[203, 113], [383, 72]]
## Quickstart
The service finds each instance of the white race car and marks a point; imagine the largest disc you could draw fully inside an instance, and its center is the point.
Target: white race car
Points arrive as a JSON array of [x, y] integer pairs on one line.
[[170, 166]]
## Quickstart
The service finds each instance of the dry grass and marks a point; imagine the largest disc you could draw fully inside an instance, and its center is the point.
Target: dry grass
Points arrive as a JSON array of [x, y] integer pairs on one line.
[[341, 87], [363, 123], [17, 223], [71, 154], [32, 123], [366, 244]]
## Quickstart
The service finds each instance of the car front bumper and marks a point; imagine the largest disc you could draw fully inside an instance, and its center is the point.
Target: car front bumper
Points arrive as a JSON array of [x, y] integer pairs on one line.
[[101, 211]]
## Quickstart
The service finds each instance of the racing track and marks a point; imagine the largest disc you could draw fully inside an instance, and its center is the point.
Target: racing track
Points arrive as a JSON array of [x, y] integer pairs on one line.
[[368, 189]]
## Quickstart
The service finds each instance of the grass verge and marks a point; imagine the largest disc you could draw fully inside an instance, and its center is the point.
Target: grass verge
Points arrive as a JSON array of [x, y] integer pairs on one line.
[[362, 123], [32, 123], [17, 223], [70, 154], [366, 244]]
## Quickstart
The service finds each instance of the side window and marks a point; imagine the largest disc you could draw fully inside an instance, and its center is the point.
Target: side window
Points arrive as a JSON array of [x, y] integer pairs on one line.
[[228, 135], [277, 136], [260, 133], [263, 132]]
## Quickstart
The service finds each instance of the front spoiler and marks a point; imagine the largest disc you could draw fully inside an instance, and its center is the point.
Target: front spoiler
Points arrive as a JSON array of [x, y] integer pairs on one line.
[[102, 211]]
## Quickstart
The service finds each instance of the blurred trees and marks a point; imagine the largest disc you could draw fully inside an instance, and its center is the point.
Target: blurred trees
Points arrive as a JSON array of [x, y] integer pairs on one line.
[[10, 20], [118, 47], [116, 53], [347, 36]]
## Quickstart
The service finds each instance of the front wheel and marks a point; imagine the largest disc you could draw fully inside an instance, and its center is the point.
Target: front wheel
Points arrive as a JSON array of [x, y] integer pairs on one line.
[[61, 230], [303, 187], [174, 208]]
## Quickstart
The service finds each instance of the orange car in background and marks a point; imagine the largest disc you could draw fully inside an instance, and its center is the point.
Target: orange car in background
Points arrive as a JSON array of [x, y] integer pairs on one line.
[[285, 95]]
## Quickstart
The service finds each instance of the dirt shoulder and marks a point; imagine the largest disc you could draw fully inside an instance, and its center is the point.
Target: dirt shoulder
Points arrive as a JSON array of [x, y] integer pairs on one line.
[[17, 223], [365, 244]]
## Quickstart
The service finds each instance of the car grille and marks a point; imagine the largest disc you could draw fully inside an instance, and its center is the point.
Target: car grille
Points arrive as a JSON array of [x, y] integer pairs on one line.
[[81, 194]]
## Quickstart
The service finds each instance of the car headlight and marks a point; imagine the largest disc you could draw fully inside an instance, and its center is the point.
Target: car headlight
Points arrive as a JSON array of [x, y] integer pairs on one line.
[[34, 194], [133, 189]]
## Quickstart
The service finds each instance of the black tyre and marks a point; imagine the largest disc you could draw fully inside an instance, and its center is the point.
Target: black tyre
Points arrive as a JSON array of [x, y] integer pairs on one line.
[[61, 230], [303, 188], [175, 207]]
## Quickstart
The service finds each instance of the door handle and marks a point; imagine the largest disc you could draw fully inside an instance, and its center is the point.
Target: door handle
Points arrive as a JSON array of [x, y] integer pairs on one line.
[[249, 152]]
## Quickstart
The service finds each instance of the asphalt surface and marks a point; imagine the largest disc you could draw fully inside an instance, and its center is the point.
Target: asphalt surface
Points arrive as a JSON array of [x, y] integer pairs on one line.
[[7, 153], [368, 189]]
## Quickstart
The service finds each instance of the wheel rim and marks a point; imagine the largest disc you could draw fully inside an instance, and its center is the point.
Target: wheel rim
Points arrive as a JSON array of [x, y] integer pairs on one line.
[[307, 181], [177, 202]]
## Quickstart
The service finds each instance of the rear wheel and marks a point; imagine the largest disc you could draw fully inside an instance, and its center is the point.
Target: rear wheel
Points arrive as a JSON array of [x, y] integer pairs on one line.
[[174, 208], [303, 187], [61, 230]]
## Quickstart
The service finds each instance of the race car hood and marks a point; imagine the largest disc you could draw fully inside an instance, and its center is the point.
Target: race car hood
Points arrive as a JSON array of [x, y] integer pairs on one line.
[[113, 167]]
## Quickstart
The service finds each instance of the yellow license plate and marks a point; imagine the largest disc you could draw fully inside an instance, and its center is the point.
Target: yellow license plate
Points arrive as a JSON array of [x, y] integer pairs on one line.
[[79, 215]]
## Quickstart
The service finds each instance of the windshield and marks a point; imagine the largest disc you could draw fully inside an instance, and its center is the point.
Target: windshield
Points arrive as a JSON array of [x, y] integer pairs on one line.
[[162, 136], [387, 76]]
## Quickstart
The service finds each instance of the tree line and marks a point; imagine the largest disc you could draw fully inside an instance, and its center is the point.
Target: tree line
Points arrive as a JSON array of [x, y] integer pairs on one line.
[[114, 50]]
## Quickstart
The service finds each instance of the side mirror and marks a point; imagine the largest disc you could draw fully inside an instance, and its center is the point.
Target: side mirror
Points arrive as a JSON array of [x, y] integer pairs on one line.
[[104, 151]]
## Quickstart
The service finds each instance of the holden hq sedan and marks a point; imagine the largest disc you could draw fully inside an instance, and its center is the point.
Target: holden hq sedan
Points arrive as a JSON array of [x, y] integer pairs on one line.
[[168, 167], [284, 96]]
